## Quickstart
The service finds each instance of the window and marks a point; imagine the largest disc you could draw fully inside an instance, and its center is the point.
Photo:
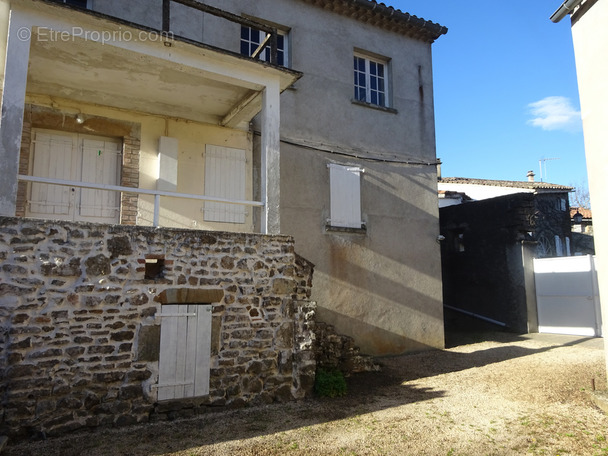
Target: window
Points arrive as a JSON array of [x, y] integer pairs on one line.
[[345, 196], [251, 39], [370, 81]]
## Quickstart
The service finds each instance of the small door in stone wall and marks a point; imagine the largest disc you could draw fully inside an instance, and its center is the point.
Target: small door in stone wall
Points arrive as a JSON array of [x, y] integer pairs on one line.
[[185, 349]]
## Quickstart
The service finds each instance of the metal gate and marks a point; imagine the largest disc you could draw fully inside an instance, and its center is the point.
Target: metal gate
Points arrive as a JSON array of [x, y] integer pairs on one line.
[[567, 296]]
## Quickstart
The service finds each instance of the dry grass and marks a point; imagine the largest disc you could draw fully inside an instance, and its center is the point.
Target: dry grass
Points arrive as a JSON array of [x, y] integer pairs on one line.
[[506, 396]]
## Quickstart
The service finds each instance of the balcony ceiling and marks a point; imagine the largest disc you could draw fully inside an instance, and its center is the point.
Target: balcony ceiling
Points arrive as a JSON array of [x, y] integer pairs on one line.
[[93, 72]]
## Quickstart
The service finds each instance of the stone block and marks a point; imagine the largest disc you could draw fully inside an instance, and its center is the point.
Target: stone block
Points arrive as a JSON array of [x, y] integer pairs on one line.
[[148, 343]]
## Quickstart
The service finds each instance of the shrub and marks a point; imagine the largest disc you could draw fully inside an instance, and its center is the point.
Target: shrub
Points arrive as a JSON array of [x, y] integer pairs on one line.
[[330, 382]]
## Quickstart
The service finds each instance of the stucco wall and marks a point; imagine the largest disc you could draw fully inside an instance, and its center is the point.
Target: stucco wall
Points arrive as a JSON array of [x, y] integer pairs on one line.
[[383, 287], [79, 325], [590, 39]]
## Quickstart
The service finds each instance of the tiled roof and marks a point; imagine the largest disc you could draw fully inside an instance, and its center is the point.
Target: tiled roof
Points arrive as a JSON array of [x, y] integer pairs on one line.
[[386, 17], [505, 183], [586, 213]]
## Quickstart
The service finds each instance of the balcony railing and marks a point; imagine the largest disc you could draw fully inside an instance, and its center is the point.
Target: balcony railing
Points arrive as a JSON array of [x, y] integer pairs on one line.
[[156, 193]]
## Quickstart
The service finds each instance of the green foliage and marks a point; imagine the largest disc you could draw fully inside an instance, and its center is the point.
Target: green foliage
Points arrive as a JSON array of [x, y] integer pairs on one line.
[[330, 383]]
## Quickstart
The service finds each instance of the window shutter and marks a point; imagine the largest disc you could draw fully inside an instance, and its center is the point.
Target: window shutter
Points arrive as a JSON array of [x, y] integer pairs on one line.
[[345, 196], [225, 177]]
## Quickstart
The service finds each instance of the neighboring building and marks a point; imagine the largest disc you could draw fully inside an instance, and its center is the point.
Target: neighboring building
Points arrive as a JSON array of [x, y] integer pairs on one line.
[[486, 254], [581, 220], [490, 241], [158, 115], [550, 217], [480, 189], [590, 40]]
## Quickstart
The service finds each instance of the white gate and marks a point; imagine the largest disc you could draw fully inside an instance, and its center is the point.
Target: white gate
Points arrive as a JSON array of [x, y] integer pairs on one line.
[[185, 349], [567, 296]]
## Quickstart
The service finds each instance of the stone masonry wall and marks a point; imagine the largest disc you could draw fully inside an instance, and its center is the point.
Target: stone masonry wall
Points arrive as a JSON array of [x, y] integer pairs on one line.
[[80, 332]]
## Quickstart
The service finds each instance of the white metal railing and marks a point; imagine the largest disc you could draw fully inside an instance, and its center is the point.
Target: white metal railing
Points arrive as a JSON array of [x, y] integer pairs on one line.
[[142, 191]]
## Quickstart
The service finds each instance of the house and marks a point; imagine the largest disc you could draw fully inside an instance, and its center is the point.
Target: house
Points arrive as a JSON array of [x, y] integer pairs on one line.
[[490, 241], [163, 163], [550, 217], [581, 220]]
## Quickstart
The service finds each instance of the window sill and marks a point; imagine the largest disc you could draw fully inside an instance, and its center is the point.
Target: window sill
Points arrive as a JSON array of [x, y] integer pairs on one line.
[[329, 228], [373, 106]]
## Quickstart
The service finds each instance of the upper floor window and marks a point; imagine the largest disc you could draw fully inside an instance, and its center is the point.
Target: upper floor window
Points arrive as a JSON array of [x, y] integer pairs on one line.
[[251, 39], [370, 77], [80, 3]]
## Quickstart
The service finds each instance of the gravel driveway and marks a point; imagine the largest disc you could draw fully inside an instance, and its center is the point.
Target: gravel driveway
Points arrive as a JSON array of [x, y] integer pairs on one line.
[[508, 395]]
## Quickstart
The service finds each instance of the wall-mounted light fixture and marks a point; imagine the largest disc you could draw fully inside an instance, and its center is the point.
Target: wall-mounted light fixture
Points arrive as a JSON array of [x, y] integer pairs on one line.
[[577, 218], [79, 118]]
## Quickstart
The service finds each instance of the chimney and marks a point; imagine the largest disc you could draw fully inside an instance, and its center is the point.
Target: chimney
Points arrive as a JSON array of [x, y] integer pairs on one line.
[[530, 176], [439, 169]]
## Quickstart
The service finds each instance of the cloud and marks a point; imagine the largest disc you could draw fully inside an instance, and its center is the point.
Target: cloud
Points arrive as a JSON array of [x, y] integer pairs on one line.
[[555, 113]]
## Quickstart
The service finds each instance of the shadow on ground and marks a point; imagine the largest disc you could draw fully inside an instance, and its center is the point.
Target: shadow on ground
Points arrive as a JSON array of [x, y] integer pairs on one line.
[[367, 393]]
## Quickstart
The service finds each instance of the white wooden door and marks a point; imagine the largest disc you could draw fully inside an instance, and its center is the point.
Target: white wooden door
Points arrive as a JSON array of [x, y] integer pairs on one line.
[[185, 351], [53, 156], [100, 165], [79, 158]]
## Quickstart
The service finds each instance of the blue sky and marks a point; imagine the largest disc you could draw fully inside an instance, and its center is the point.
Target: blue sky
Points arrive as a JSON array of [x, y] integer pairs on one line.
[[505, 89]]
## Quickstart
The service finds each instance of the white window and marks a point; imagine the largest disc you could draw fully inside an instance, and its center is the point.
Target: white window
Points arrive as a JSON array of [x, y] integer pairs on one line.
[[252, 38], [345, 196], [370, 77], [225, 177]]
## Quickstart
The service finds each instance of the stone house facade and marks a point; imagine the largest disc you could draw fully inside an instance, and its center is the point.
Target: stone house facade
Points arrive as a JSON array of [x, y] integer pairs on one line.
[[140, 147], [83, 310]]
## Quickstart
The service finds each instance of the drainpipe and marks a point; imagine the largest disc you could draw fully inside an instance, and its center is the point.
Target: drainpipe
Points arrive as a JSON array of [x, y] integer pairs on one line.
[[565, 9]]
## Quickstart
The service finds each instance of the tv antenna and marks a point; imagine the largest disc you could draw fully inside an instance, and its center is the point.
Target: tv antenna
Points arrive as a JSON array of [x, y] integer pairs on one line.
[[542, 163]]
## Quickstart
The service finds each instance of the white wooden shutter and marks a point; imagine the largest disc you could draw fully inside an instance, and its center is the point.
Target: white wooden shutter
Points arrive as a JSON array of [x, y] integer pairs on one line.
[[225, 177], [100, 165], [185, 351], [168, 159], [345, 196], [54, 156]]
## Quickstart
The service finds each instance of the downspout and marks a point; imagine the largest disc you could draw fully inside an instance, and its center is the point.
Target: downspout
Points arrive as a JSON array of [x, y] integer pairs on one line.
[[565, 9]]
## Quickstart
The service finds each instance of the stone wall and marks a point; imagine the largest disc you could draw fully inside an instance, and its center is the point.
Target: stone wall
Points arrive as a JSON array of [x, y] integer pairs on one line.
[[80, 331]]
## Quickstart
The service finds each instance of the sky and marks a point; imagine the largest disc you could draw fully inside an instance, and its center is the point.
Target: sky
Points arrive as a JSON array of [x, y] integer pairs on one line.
[[505, 90]]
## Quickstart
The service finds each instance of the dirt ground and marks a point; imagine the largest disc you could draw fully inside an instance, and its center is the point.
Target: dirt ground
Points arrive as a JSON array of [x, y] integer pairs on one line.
[[507, 395]]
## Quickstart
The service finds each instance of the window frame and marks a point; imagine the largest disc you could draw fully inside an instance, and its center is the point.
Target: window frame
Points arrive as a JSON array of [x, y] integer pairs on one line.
[[370, 80], [283, 52]]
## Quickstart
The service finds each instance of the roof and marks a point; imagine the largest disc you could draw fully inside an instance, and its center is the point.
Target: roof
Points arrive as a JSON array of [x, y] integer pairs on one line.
[[505, 183], [386, 17], [586, 213]]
